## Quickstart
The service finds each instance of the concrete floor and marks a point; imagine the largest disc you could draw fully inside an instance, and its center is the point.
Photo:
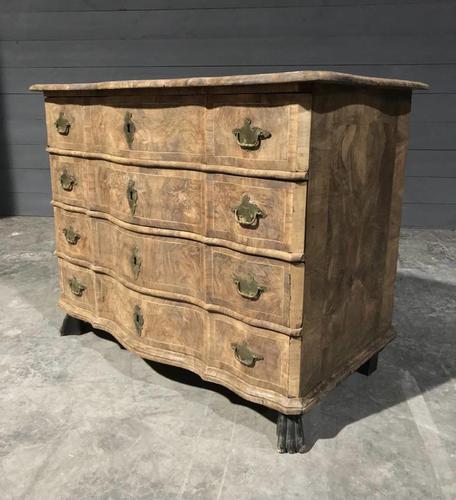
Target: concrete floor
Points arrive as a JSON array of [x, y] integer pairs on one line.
[[81, 418]]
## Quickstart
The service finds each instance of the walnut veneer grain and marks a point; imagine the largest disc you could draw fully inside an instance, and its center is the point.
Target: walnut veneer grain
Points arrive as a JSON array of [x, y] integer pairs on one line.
[[198, 204], [261, 256], [237, 80], [190, 129]]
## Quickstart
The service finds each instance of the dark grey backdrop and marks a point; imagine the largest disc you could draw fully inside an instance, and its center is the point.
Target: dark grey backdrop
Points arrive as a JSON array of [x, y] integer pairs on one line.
[[89, 40]]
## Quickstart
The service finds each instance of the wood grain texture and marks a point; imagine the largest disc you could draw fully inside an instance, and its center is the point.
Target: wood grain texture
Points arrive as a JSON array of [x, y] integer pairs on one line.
[[267, 78], [200, 167], [186, 129], [286, 117], [169, 128], [191, 202], [207, 354], [83, 182], [355, 185], [395, 211], [185, 270], [276, 304], [16, 80], [76, 111], [165, 266], [203, 346]]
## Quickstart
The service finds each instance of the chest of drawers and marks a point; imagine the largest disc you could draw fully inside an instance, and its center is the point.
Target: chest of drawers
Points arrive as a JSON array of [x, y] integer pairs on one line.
[[245, 228]]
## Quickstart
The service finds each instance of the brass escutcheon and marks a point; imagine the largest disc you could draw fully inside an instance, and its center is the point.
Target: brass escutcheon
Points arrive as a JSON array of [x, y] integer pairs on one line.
[[132, 196], [129, 128], [135, 262], [249, 137], [245, 355], [138, 320]]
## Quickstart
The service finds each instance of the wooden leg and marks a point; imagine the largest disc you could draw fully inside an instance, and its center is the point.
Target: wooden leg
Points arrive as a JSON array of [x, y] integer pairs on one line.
[[290, 434], [369, 366], [74, 326]]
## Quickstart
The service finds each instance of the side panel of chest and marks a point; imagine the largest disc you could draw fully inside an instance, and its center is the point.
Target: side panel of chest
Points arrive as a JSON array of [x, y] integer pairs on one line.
[[354, 204]]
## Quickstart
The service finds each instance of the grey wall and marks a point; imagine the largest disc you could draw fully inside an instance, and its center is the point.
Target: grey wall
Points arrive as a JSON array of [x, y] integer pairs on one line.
[[89, 40]]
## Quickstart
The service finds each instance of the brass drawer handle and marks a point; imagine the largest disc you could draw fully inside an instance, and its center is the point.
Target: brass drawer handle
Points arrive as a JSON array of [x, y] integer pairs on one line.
[[248, 287], [129, 128], [76, 287], [67, 181], [132, 196], [247, 214], [71, 235], [245, 355], [62, 124], [249, 137], [138, 320], [135, 262]]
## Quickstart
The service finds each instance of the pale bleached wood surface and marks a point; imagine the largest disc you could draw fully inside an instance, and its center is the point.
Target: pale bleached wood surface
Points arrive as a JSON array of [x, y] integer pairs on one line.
[[314, 323], [266, 78], [188, 271]]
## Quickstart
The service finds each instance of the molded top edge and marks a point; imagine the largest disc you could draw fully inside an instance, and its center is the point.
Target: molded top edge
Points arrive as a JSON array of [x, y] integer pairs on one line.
[[213, 81]]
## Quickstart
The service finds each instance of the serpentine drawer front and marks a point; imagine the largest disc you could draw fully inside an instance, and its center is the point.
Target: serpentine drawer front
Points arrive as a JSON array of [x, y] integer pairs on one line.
[[245, 228], [256, 289], [248, 131], [247, 212]]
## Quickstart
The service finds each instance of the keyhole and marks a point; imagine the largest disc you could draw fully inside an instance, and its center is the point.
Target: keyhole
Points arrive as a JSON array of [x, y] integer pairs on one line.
[[135, 262], [128, 128]]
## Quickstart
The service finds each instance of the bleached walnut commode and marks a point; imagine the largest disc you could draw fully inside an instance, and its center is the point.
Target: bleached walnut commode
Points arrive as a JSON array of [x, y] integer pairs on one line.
[[245, 228]]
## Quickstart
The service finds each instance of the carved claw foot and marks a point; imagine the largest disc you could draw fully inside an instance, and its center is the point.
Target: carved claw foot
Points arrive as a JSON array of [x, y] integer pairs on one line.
[[290, 434], [74, 326], [369, 366]]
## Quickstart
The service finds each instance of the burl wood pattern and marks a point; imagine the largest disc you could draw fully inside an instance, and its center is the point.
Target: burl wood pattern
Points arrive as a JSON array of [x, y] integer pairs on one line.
[[282, 225], [276, 304], [226, 82], [204, 345], [351, 246], [285, 117], [77, 193], [162, 273], [169, 128], [187, 201], [186, 270], [76, 111], [185, 130]]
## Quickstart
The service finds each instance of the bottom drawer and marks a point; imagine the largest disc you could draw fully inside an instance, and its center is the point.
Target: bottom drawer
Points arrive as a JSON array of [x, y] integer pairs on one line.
[[259, 364]]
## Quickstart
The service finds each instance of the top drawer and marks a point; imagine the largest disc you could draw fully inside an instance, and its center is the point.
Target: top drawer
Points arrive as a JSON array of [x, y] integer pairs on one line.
[[249, 131]]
